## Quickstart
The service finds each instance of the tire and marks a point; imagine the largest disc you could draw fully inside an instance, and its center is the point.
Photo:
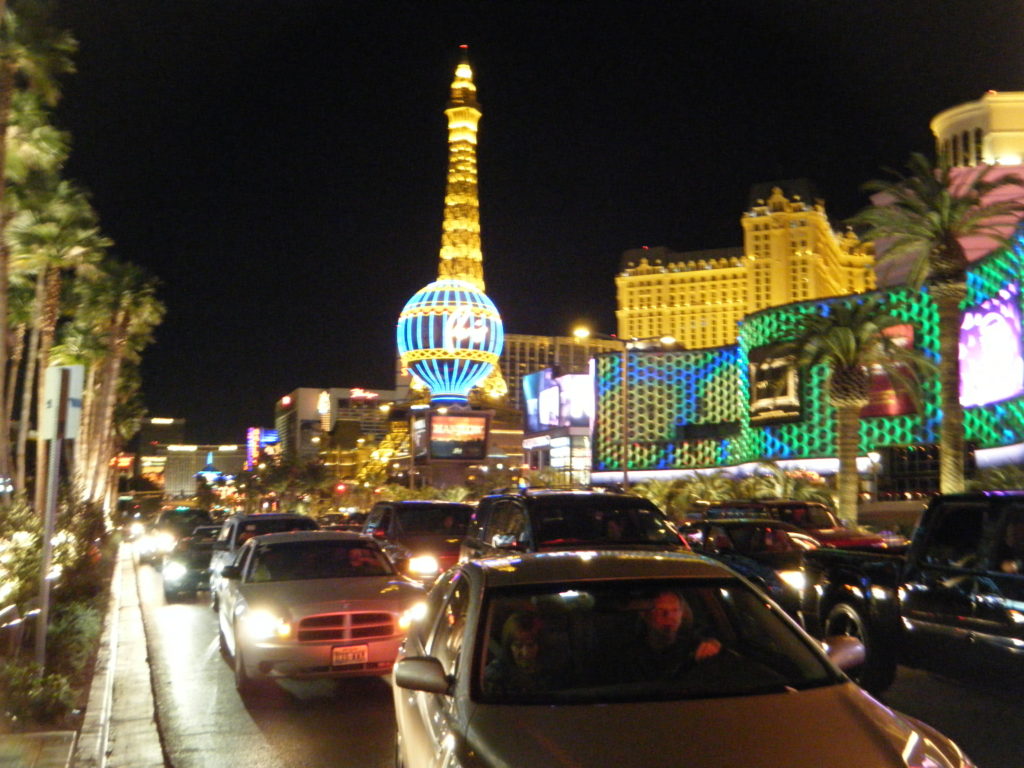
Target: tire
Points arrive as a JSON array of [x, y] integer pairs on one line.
[[879, 668], [222, 641], [244, 684], [171, 595], [214, 604]]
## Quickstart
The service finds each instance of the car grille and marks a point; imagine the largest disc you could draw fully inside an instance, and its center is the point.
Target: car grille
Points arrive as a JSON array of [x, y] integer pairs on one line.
[[346, 626]]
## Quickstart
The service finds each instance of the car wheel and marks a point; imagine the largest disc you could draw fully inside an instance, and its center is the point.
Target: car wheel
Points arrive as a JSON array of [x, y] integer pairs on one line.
[[214, 605], [170, 595], [223, 641], [879, 667], [244, 684]]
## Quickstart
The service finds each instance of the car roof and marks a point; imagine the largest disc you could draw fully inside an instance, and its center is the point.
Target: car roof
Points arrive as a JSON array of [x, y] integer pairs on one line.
[[567, 493], [424, 503], [294, 536], [579, 565], [734, 522], [272, 516]]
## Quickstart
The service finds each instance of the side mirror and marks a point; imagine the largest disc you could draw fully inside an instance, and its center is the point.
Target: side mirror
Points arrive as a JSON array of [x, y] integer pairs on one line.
[[844, 651], [422, 673], [231, 572], [506, 541]]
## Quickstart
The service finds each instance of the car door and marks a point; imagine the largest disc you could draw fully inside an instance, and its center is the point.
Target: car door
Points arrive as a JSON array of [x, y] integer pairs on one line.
[[445, 715], [941, 589], [230, 599], [998, 628]]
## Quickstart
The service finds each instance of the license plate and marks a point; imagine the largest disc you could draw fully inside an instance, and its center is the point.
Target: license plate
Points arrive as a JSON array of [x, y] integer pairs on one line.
[[351, 654]]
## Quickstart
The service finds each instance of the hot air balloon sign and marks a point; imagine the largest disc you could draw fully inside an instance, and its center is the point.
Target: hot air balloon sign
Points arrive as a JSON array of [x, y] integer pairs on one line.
[[450, 335]]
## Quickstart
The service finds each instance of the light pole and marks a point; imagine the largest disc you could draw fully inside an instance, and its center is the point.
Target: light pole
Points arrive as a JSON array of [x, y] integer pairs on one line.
[[581, 333]]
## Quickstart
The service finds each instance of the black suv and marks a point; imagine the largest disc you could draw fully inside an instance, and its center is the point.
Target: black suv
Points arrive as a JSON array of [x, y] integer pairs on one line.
[[544, 520], [421, 537]]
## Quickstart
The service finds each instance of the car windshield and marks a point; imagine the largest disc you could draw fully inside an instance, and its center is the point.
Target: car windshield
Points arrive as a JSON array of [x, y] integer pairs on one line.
[[599, 520], [432, 519], [629, 640], [184, 521], [809, 516], [262, 525], [330, 559]]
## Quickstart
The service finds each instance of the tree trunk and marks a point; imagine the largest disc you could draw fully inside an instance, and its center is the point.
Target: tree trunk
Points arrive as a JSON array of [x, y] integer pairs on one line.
[[28, 386], [6, 87], [47, 332], [947, 298], [17, 353], [105, 406], [848, 480], [85, 429]]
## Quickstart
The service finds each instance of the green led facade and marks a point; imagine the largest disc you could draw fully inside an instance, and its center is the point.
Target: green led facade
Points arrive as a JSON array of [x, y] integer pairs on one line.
[[690, 409]]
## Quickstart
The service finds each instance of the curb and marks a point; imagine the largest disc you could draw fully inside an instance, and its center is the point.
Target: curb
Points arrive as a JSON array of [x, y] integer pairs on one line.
[[120, 719]]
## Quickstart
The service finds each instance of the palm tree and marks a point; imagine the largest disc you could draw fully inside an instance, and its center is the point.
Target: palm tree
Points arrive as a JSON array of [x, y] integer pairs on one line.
[[55, 231], [850, 338], [31, 56], [925, 214], [771, 481], [119, 310]]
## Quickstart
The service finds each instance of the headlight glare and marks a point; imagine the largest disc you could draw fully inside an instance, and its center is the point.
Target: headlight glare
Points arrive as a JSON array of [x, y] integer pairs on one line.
[[174, 571], [424, 565], [165, 542], [411, 615], [796, 579], [264, 625]]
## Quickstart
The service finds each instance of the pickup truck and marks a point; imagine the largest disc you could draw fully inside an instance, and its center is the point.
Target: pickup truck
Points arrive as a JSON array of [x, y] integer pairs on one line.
[[953, 602]]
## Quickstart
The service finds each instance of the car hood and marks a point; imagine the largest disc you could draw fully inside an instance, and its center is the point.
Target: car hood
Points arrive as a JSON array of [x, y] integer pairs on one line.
[[326, 595], [818, 728], [844, 537]]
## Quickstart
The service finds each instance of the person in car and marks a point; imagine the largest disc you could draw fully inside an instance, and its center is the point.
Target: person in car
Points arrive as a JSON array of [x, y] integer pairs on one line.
[[668, 646], [518, 666]]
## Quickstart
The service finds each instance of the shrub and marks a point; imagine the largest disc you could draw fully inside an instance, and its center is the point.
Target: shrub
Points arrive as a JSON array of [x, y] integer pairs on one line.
[[71, 641], [28, 695]]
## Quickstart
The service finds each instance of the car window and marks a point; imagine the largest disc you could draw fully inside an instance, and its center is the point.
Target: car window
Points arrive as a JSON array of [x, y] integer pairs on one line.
[[326, 559], [375, 520], [956, 536], [446, 642], [429, 519], [506, 525], [225, 532], [599, 519], [1008, 552], [592, 644]]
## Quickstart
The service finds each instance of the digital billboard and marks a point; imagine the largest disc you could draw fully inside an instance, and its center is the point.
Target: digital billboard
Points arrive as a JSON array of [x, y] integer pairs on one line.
[[458, 436], [562, 401], [887, 396], [991, 363], [773, 384]]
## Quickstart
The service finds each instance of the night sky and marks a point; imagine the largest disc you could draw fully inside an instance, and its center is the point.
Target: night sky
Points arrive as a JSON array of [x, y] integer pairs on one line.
[[280, 164]]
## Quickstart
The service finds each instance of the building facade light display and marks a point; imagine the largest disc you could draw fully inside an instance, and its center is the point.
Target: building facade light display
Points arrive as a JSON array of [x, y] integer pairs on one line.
[[450, 336], [691, 409]]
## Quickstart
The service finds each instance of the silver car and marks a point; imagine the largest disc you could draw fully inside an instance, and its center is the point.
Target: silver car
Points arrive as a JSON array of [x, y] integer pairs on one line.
[[593, 659], [309, 604]]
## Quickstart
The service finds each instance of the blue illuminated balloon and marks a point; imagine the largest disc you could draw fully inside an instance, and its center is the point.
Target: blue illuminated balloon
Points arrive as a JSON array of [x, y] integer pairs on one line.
[[450, 335]]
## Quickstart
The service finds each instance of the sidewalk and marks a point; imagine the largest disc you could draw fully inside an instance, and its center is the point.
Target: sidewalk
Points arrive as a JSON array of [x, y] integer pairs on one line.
[[119, 730], [120, 720]]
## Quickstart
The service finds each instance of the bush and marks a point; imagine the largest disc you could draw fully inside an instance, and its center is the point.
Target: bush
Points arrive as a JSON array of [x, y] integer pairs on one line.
[[28, 695], [71, 641]]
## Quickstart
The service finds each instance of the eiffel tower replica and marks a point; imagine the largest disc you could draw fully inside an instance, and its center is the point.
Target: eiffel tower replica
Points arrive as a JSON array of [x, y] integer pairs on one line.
[[461, 256]]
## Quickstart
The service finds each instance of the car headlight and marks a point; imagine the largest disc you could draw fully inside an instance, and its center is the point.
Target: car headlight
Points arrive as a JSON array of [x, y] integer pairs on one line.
[[136, 529], [165, 542], [423, 566], [796, 579], [264, 625], [411, 615], [147, 544], [174, 571]]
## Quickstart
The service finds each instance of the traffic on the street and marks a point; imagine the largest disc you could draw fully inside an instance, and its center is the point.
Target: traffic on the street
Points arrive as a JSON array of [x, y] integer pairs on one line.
[[513, 707]]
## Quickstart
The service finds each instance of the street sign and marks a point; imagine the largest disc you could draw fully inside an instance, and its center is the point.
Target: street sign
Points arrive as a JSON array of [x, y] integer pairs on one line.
[[52, 407]]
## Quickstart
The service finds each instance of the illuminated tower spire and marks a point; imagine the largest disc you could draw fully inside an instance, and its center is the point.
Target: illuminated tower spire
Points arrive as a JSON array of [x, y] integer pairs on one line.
[[461, 257]]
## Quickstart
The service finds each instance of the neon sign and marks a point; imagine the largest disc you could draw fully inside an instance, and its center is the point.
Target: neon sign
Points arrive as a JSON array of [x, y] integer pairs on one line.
[[991, 363]]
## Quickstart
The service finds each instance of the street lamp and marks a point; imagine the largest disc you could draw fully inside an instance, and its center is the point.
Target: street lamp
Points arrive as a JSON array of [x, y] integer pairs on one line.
[[581, 333]]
